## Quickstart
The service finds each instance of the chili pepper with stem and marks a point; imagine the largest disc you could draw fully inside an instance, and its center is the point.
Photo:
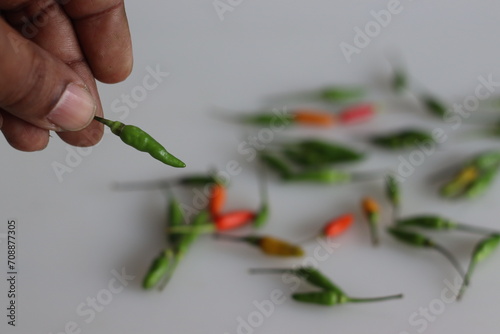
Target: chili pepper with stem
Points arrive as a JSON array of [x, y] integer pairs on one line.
[[268, 245], [481, 251], [403, 139], [327, 176], [262, 215], [309, 274], [372, 213], [223, 222], [393, 193], [314, 118], [419, 240], [459, 184], [140, 140], [432, 222], [175, 217], [334, 227], [297, 117], [330, 298], [183, 246], [195, 180]]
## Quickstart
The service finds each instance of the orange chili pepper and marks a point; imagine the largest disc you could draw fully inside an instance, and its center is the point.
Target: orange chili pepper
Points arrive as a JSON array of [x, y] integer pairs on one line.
[[233, 219], [314, 118], [338, 225], [357, 113], [217, 200], [371, 211]]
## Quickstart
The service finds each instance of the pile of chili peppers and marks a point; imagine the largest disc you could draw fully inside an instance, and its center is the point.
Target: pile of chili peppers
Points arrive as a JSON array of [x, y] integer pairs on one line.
[[319, 161]]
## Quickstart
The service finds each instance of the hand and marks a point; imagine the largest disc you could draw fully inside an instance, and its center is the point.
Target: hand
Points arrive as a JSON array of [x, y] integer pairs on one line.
[[50, 53]]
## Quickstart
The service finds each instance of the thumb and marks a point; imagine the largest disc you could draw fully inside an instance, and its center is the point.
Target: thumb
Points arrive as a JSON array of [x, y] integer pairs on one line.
[[40, 89]]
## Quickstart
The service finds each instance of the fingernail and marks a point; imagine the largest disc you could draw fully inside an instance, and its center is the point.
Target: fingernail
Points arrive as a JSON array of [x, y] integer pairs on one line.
[[74, 110]]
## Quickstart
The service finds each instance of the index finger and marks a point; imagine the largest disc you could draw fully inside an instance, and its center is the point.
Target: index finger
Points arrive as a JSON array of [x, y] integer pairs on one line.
[[104, 36]]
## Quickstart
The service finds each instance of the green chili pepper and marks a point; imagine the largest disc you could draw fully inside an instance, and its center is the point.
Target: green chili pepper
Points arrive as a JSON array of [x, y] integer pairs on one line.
[[309, 274], [330, 298], [341, 94], [486, 160], [197, 180], [439, 223], [263, 214], [314, 152], [399, 81], [481, 251], [268, 119], [175, 218], [434, 106], [403, 139], [276, 164], [328, 176], [482, 183], [160, 266], [140, 140], [420, 240], [393, 193]]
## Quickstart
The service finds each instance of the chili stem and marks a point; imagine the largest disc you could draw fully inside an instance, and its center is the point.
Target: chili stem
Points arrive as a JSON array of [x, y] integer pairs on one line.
[[104, 121], [466, 280], [474, 229], [367, 176], [374, 234], [269, 270], [227, 237], [146, 185], [206, 228], [450, 258], [374, 299]]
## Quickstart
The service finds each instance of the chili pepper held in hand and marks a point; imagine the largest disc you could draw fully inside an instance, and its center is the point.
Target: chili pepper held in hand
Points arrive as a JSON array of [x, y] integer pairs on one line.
[[372, 214], [439, 223], [330, 298], [357, 113], [268, 245], [481, 251], [420, 240], [403, 139], [309, 274], [140, 140]]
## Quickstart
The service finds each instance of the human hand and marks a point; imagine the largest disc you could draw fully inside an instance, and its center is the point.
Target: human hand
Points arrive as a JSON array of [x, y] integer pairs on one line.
[[50, 53]]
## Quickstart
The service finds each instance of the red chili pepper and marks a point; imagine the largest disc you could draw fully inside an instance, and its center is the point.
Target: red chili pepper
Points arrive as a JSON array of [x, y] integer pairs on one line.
[[357, 113], [217, 200], [314, 117], [338, 225], [233, 219]]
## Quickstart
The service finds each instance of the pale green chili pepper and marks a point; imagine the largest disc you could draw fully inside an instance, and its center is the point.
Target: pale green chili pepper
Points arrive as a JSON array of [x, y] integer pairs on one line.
[[481, 251], [482, 183], [434, 106], [403, 139], [309, 274], [140, 140], [331, 298], [341, 94], [327, 176], [268, 119], [160, 266], [175, 217], [420, 240]]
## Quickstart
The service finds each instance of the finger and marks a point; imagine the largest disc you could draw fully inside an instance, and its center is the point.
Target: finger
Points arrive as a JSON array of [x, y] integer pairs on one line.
[[104, 36], [22, 135], [54, 32], [40, 89]]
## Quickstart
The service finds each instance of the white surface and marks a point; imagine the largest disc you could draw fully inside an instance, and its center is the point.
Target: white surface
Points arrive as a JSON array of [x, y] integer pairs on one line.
[[72, 234]]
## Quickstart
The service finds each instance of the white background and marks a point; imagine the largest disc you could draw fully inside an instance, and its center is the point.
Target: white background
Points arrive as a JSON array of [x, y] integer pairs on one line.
[[72, 234]]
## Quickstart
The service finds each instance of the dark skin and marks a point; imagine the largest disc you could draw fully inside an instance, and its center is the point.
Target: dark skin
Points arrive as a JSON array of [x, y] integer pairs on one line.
[[68, 43]]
